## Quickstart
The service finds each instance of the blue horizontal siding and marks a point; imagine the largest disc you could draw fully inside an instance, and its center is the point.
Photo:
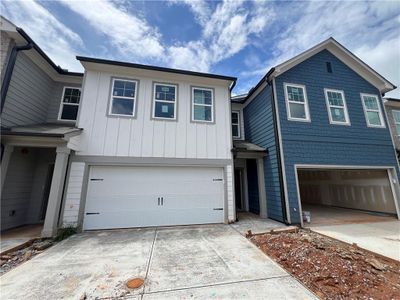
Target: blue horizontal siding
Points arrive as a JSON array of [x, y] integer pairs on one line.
[[259, 129], [319, 142]]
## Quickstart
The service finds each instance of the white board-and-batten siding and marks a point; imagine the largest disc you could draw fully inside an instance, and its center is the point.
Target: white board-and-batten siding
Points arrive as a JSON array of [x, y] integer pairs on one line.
[[73, 194], [142, 136]]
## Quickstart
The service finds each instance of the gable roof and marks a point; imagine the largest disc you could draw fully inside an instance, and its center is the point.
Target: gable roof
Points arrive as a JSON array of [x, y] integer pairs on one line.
[[342, 53]]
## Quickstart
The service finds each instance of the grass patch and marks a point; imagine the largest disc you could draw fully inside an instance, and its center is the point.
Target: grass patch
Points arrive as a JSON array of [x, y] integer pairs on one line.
[[64, 233]]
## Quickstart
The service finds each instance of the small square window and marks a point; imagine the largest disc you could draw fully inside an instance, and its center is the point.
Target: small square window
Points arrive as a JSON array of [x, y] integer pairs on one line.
[[202, 105], [123, 97], [164, 101], [296, 102], [372, 111], [337, 109], [235, 124], [70, 104], [396, 117]]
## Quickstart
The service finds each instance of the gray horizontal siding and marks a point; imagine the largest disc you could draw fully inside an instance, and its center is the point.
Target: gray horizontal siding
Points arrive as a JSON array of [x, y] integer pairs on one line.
[[28, 95], [16, 192], [33, 97]]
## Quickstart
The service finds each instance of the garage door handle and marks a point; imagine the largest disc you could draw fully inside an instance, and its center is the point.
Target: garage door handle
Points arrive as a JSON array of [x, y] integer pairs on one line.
[[162, 200], [93, 213], [158, 201], [219, 208]]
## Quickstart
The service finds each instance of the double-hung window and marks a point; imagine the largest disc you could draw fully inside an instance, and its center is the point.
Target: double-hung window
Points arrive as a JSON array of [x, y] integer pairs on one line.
[[236, 124], [337, 109], [123, 97], [202, 104], [296, 102], [164, 101], [396, 118], [69, 104], [372, 110]]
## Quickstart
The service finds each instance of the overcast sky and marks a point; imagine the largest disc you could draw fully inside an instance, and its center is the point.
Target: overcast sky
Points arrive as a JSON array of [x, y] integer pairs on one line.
[[238, 38]]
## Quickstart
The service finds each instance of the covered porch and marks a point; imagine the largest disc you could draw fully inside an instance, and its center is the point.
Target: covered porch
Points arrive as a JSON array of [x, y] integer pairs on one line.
[[33, 170], [250, 196]]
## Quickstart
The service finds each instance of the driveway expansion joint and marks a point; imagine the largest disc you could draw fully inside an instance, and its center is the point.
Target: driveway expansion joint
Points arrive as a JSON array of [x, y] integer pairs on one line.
[[214, 284]]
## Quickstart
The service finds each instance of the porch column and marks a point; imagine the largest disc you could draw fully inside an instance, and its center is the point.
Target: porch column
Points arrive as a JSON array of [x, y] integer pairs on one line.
[[261, 188], [8, 150], [56, 190]]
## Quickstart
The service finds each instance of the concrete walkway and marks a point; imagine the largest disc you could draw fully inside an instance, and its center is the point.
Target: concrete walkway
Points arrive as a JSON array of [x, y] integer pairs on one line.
[[204, 262], [248, 221], [379, 237]]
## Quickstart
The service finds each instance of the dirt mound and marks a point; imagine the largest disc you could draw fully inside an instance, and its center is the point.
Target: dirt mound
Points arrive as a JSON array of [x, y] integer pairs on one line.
[[330, 268]]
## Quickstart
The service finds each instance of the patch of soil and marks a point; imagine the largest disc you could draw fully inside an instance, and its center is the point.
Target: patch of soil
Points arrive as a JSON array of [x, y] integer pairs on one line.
[[330, 268], [11, 260]]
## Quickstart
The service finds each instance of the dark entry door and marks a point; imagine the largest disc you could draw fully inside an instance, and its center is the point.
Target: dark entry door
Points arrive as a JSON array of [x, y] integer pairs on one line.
[[238, 189], [46, 191], [252, 183]]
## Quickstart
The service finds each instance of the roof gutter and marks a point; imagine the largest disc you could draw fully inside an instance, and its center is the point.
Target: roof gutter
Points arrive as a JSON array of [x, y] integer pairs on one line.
[[35, 46], [9, 70]]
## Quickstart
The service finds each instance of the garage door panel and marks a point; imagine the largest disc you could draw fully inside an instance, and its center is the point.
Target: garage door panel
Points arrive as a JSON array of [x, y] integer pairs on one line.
[[122, 197]]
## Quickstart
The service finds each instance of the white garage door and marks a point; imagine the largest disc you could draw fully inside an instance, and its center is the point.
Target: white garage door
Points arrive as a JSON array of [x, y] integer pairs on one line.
[[122, 197]]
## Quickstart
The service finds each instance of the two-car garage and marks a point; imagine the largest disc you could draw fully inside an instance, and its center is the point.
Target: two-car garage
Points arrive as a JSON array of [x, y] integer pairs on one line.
[[124, 197]]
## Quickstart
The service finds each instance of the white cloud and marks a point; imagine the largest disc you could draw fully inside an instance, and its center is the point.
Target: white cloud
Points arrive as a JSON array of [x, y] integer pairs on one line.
[[226, 30], [130, 34], [59, 42], [385, 59], [370, 29]]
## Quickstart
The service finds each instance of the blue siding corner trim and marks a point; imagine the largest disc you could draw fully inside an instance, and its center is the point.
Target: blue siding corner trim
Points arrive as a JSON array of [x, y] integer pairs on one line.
[[259, 129], [320, 143]]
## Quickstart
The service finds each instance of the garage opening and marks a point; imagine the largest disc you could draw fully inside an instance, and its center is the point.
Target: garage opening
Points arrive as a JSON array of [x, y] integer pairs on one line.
[[345, 196]]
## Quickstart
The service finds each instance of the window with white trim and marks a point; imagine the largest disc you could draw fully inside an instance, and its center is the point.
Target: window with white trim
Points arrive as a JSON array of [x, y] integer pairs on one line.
[[69, 104], [296, 102], [202, 105], [337, 109], [123, 97], [164, 101], [372, 110], [236, 124], [396, 118]]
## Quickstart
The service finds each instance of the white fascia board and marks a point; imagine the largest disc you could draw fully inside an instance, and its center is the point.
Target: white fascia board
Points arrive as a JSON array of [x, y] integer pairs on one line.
[[348, 58]]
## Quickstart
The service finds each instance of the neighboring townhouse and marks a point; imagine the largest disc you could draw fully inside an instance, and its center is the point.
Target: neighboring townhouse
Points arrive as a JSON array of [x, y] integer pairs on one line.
[[39, 105], [320, 118], [392, 107]]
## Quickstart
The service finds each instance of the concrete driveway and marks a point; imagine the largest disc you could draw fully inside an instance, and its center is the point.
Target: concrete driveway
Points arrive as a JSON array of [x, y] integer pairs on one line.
[[379, 237], [210, 262]]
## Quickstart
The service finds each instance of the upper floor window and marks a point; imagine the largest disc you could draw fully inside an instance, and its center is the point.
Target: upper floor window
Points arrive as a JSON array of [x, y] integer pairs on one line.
[[372, 110], [296, 102], [164, 101], [202, 104], [337, 109], [236, 124], [396, 118], [69, 104], [123, 97]]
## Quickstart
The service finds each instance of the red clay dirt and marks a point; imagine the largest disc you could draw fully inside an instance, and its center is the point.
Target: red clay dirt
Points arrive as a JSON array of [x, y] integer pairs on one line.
[[330, 268]]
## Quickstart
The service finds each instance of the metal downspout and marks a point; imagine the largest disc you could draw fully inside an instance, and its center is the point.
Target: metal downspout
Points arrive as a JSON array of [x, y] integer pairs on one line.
[[9, 70]]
